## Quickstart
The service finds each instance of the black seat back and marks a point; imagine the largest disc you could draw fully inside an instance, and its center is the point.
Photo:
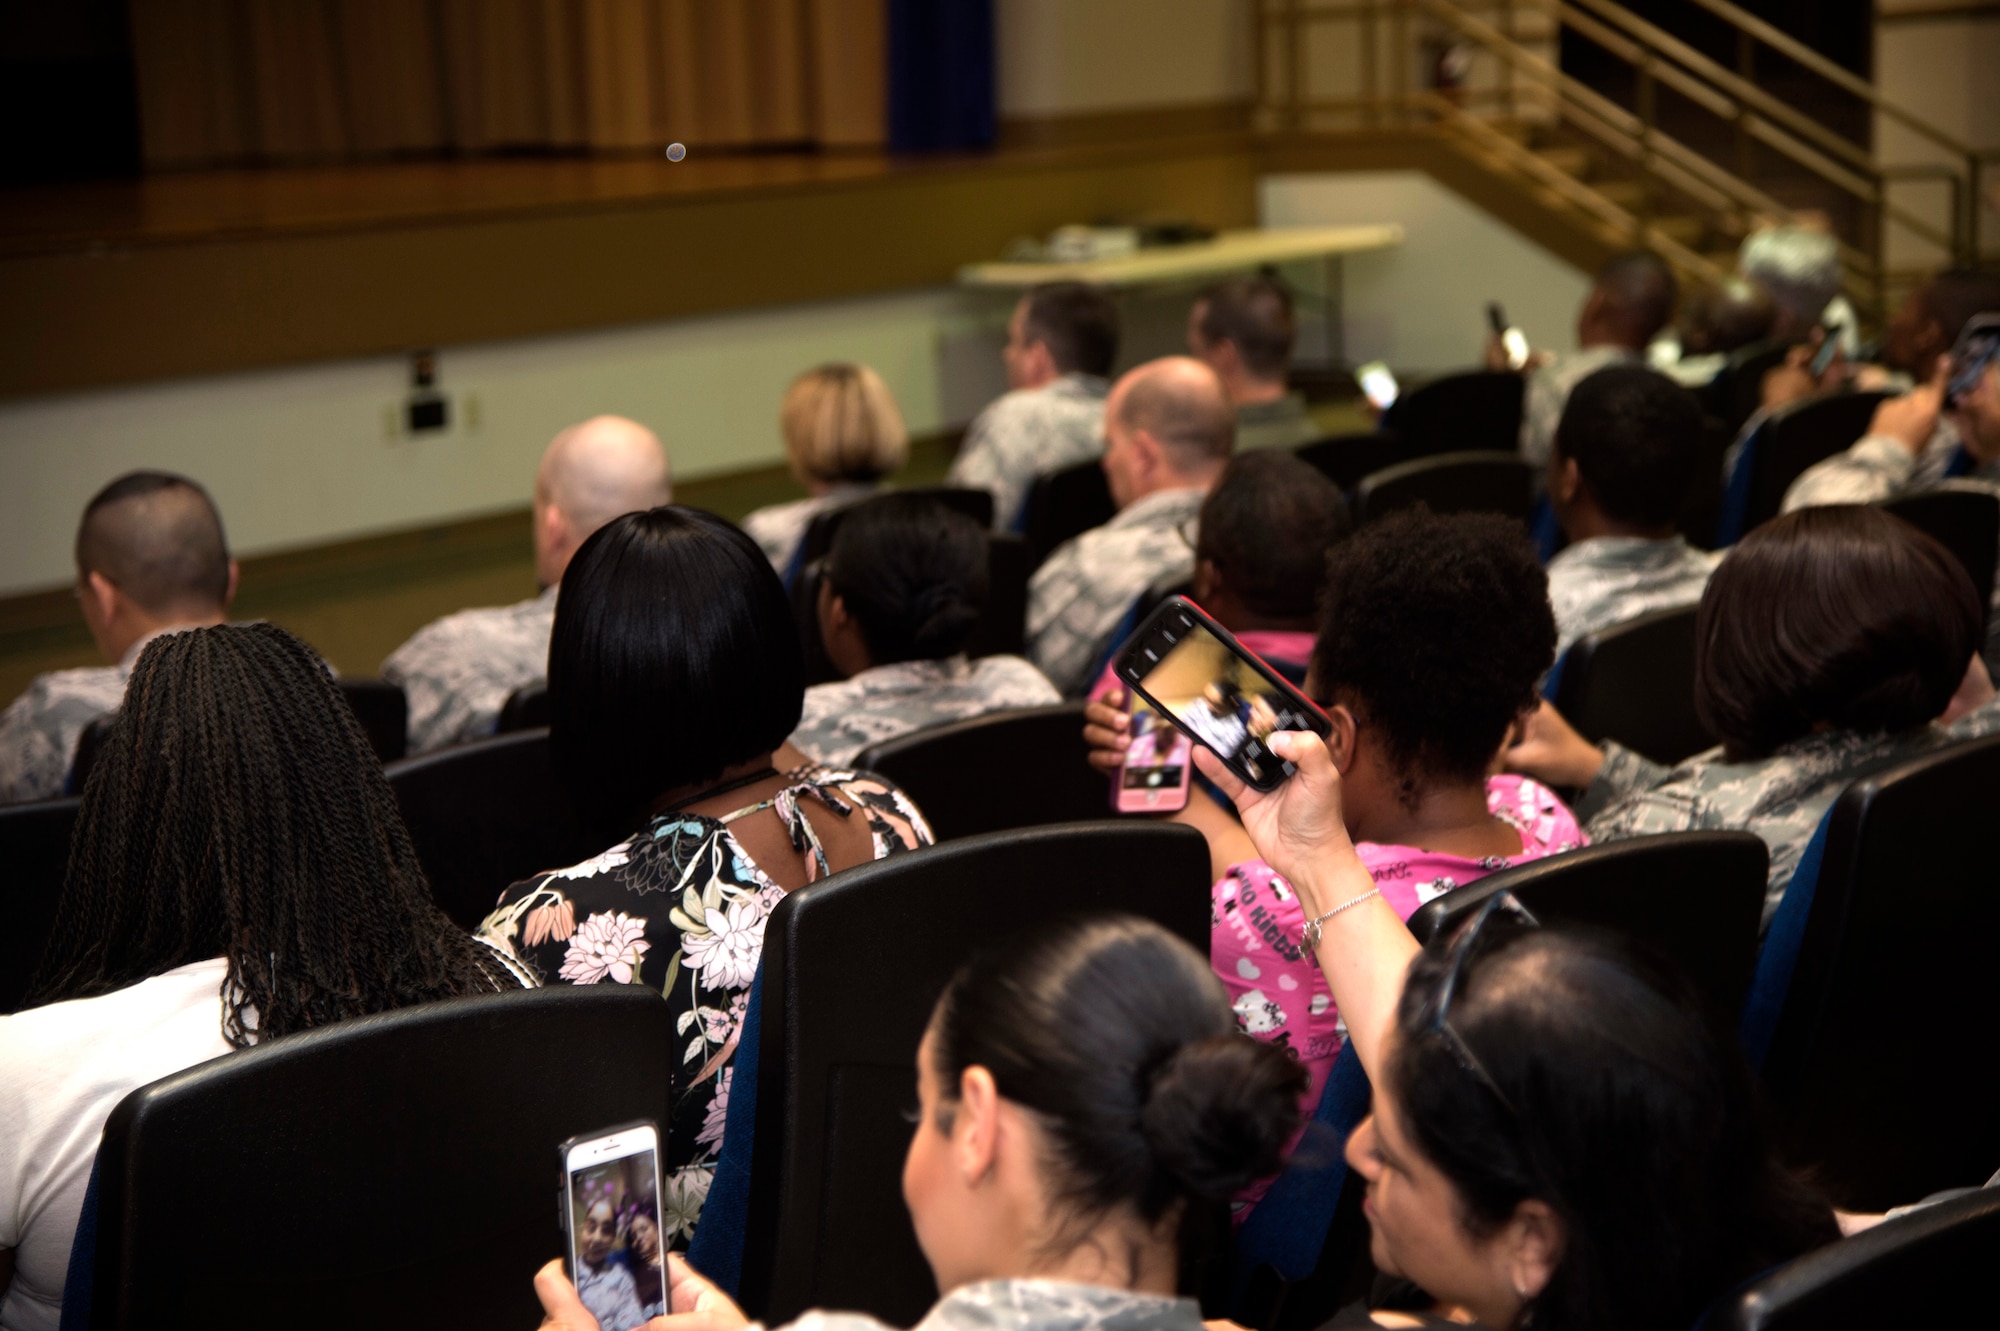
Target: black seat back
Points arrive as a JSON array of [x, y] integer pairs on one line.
[[1965, 522], [1479, 411], [1345, 458], [1003, 624], [1012, 769], [1694, 898], [525, 708], [34, 845], [1634, 682], [1450, 483], [485, 815], [402, 1161], [1870, 1066], [975, 504], [844, 1008], [1931, 1267], [1737, 390], [1799, 436], [1701, 508], [1065, 504]]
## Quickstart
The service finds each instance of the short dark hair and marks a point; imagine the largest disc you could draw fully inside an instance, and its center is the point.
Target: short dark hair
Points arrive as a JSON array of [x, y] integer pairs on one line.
[[1955, 295], [1640, 292], [1437, 630], [158, 538], [1077, 322], [1120, 1039], [913, 574], [1267, 526], [1843, 616], [1633, 434], [1724, 316], [1255, 315], [673, 657]]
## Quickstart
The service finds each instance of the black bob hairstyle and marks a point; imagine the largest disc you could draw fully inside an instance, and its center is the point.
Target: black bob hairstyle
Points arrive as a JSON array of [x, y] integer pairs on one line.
[[913, 573], [673, 658], [1844, 616]]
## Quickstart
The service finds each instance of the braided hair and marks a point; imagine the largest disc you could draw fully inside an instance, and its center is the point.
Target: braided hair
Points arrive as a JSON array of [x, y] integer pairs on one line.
[[238, 811]]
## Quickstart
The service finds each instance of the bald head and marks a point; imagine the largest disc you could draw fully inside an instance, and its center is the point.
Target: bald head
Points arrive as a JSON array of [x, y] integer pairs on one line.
[[157, 538], [1167, 424], [606, 467]]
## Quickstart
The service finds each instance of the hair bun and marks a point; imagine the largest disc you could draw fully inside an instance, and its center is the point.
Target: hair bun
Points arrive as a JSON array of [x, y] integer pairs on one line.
[[944, 618], [1220, 1113]]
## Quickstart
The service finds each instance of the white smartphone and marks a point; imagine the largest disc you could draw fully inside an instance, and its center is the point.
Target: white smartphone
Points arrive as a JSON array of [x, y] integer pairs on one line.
[[611, 1219], [1377, 384]]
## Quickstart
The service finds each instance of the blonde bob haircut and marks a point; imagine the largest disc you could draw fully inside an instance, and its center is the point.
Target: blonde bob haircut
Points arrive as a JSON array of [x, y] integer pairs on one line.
[[841, 424]]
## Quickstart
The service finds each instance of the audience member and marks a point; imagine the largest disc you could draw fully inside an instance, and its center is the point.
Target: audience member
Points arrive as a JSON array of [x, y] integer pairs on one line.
[[1799, 268], [843, 434], [1630, 302], [150, 559], [239, 871], [1919, 334], [459, 670], [674, 677], [1831, 640], [1168, 431], [904, 589], [1717, 318], [1625, 456], [1529, 1087], [1061, 342], [1242, 329], [1084, 1109], [1435, 631]]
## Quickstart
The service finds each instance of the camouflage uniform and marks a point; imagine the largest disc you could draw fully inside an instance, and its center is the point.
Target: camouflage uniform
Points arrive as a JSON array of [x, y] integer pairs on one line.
[[1031, 1305], [843, 718], [1028, 433], [459, 670], [779, 528], [1607, 580], [1548, 393], [39, 731], [1281, 423], [1781, 798], [1078, 599]]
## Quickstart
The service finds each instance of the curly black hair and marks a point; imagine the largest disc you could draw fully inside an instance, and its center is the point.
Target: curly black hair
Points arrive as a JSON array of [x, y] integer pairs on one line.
[[1436, 631]]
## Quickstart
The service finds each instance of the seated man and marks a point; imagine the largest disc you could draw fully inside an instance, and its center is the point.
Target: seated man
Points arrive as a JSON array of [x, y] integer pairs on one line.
[[1168, 432], [1243, 330], [1628, 305], [1061, 341], [1716, 319], [150, 558], [459, 670], [1798, 267], [1624, 458]]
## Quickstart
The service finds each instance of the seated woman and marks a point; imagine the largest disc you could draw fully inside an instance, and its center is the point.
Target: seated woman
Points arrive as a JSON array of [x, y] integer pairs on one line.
[[674, 676], [1831, 640], [1436, 630], [1530, 1087], [238, 871], [1085, 1109], [905, 584], [843, 434]]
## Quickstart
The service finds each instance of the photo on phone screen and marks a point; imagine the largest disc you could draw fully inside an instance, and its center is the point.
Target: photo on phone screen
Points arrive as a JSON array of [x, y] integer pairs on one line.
[[616, 1256], [1157, 766], [1216, 691]]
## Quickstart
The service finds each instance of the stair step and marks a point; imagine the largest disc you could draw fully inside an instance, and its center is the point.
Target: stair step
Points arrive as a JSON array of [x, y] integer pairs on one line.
[[1687, 230], [1627, 194], [1571, 161]]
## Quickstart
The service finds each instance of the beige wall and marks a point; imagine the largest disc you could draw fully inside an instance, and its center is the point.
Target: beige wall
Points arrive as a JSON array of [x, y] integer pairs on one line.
[[1943, 71], [1070, 57]]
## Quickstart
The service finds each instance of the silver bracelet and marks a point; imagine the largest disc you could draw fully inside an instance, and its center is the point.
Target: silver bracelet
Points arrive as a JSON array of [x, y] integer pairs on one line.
[[1309, 937]]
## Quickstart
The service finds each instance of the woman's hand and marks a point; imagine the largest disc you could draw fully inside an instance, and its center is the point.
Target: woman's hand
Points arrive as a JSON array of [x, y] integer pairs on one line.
[[1550, 750], [1298, 826], [562, 1310], [1107, 730], [693, 1303]]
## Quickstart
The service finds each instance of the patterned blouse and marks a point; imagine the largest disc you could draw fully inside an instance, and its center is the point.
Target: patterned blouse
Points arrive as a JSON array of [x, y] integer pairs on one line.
[[680, 907]]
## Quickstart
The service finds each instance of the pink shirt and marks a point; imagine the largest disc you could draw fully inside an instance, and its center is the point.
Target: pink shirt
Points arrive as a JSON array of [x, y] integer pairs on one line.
[[1280, 995]]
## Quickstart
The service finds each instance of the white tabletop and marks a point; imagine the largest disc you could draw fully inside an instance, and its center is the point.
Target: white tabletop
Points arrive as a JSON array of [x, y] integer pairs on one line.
[[1229, 251]]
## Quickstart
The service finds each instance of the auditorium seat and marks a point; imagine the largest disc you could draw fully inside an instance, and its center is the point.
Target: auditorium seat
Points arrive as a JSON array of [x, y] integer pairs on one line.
[[1965, 522], [975, 504], [1634, 682], [1473, 482], [1784, 445], [1875, 974], [826, 1224], [34, 845], [402, 1165], [1345, 458], [1005, 770], [525, 708], [1695, 898], [1479, 411], [1737, 389], [1701, 510], [1065, 504], [1930, 1267], [487, 814]]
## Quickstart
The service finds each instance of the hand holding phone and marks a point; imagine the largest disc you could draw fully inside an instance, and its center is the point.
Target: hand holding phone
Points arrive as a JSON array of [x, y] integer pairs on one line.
[[611, 1219], [1513, 341], [1377, 384]]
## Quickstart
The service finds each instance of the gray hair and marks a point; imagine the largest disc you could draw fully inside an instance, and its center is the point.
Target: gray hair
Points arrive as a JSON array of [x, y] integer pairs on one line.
[[1799, 267]]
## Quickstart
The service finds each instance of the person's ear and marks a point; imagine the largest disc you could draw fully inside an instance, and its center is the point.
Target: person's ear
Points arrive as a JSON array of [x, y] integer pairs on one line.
[[1147, 454], [1207, 578], [229, 592], [976, 1125], [1533, 1247], [1564, 480], [101, 595], [1341, 741], [1043, 360]]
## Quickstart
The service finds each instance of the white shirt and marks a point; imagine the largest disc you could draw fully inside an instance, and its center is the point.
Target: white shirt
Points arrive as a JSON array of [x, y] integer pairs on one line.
[[63, 1068]]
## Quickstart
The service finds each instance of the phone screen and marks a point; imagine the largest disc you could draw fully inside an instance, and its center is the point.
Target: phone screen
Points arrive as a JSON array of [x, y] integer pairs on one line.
[[1829, 344], [617, 1256], [1377, 384], [1157, 765]]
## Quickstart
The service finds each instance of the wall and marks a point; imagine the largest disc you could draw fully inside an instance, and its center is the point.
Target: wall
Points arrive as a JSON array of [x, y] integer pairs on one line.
[[1941, 69], [1068, 57]]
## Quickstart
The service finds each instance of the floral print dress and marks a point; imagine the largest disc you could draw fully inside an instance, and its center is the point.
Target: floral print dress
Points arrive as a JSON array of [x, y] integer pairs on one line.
[[680, 908]]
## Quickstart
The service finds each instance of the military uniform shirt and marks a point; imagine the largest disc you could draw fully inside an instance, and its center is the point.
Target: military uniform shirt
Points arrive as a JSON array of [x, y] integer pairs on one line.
[[39, 729], [1548, 393], [778, 529], [1078, 599], [1608, 580], [458, 671], [1028, 433], [1030, 1305], [1280, 423], [843, 718]]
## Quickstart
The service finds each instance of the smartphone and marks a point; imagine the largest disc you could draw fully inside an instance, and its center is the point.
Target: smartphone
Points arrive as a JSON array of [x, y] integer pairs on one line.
[[1829, 346], [1377, 384], [1194, 673], [611, 1221], [1155, 776], [1977, 347], [1512, 340]]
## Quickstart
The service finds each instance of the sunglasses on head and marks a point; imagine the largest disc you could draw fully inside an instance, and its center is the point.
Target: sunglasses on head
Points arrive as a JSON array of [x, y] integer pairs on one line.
[[1458, 956], [1978, 346]]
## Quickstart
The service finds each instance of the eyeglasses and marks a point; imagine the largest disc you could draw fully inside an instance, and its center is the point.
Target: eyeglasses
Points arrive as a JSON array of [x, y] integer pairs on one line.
[[1457, 959]]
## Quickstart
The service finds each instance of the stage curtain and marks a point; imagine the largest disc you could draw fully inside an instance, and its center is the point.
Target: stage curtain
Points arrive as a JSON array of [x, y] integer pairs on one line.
[[244, 82]]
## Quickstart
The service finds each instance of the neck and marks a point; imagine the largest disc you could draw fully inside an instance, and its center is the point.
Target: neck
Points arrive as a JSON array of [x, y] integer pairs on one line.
[[1592, 335], [1114, 1256], [136, 631], [1248, 392], [1587, 524], [1448, 819], [681, 796]]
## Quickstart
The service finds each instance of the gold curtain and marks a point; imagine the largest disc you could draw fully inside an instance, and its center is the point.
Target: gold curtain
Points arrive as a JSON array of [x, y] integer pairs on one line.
[[235, 82]]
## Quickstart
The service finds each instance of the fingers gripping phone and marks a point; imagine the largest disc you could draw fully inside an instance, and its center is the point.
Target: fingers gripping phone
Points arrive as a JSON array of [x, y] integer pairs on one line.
[[1512, 339], [1193, 672], [611, 1220], [1157, 766]]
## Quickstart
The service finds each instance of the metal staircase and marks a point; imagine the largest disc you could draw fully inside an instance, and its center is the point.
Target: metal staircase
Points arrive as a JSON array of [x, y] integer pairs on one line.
[[1626, 168]]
